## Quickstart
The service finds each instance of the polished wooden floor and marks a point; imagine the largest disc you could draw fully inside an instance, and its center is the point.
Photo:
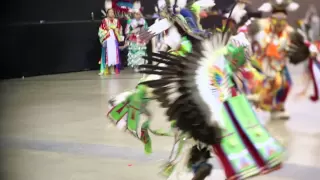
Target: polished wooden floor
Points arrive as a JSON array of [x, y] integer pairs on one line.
[[54, 128]]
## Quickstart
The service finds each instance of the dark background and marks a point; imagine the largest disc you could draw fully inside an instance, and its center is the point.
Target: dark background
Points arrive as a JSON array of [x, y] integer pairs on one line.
[[67, 41]]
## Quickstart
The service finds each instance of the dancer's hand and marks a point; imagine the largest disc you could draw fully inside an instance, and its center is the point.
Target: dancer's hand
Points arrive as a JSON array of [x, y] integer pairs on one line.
[[113, 26], [123, 47]]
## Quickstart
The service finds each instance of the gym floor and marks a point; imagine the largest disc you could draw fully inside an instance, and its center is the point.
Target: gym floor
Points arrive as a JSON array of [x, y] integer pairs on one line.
[[54, 128]]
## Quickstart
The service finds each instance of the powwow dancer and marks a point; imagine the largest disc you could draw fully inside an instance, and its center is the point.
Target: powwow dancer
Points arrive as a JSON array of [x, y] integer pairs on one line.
[[209, 110], [270, 39], [207, 106], [129, 107], [110, 34], [136, 46]]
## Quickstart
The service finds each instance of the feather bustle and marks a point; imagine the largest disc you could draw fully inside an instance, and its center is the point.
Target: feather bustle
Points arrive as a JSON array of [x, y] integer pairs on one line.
[[178, 76]]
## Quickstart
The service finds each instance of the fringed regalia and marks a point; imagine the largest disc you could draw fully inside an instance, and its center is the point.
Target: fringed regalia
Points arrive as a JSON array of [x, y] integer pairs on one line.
[[207, 111], [207, 107], [110, 33], [137, 47], [270, 39]]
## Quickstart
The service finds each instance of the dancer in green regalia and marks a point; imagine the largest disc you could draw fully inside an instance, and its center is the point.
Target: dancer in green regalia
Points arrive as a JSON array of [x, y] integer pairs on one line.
[[209, 114]]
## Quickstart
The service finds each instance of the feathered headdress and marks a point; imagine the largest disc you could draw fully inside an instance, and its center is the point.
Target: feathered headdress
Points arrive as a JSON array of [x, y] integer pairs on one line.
[[283, 6]]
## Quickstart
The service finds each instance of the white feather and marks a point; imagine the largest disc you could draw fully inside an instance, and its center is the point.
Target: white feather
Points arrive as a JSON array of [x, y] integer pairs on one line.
[[160, 26], [108, 4], [103, 12], [122, 97], [161, 3], [136, 6], [173, 38], [205, 3], [238, 12], [181, 3], [171, 2], [313, 49], [213, 55], [293, 7], [266, 7]]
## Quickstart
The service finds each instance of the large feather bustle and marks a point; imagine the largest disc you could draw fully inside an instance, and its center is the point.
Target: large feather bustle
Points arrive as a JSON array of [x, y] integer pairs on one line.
[[185, 89], [187, 113]]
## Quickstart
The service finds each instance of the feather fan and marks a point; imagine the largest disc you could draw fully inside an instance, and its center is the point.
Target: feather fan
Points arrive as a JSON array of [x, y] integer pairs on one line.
[[185, 88], [298, 51]]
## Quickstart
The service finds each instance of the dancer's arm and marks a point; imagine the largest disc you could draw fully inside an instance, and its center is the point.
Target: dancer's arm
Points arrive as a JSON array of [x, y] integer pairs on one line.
[[103, 31]]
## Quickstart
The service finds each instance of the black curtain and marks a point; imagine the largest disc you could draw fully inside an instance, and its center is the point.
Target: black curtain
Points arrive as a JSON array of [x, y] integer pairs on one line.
[[51, 10], [65, 41]]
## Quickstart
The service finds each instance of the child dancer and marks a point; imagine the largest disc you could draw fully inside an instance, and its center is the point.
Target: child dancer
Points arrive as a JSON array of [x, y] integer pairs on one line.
[[110, 33]]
